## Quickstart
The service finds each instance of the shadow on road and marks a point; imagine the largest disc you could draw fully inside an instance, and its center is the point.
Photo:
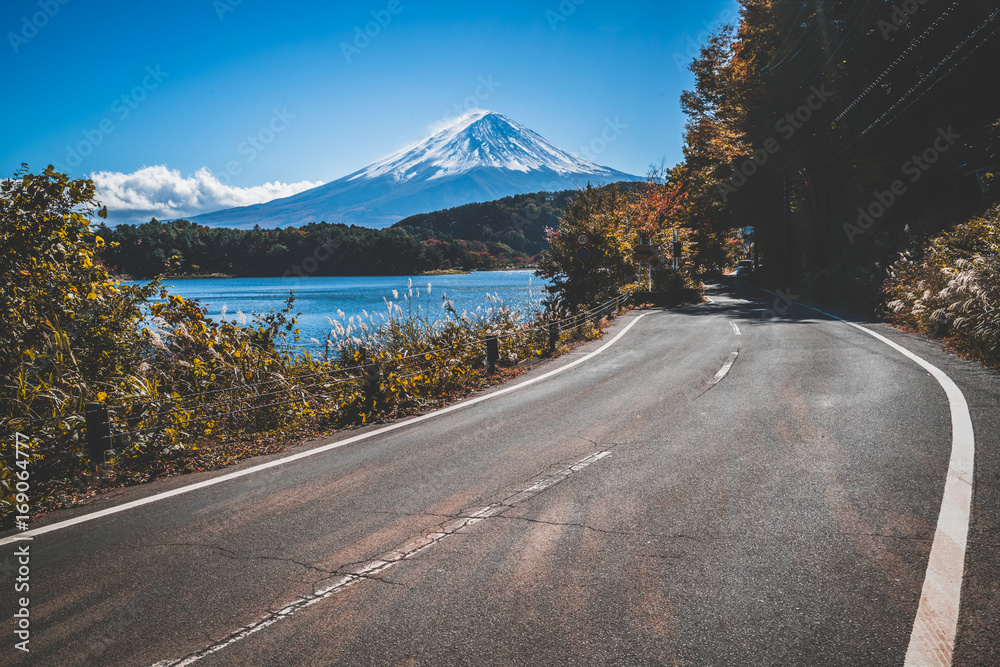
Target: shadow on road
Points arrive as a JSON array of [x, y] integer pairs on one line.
[[738, 300]]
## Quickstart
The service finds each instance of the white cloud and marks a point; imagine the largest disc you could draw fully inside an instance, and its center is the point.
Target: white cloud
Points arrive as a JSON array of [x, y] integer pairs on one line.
[[453, 117], [164, 194]]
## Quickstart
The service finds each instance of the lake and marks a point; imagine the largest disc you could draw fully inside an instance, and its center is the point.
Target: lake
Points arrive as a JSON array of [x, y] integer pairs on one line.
[[320, 297]]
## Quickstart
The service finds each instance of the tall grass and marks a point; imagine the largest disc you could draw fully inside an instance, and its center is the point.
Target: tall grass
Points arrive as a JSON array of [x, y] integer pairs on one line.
[[951, 288]]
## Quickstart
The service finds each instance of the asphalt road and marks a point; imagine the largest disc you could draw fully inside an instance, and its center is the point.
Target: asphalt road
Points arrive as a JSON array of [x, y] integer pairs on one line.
[[639, 508]]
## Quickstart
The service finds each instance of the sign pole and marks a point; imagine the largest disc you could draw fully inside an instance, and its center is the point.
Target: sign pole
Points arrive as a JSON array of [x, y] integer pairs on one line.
[[677, 265]]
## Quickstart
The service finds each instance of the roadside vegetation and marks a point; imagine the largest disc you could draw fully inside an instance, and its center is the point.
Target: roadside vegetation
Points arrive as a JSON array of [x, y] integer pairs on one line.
[[615, 222], [950, 288], [186, 392]]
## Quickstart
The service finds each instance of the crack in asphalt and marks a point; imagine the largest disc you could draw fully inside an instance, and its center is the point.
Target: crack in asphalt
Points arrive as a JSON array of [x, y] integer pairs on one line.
[[573, 525], [351, 573], [227, 553], [292, 560]]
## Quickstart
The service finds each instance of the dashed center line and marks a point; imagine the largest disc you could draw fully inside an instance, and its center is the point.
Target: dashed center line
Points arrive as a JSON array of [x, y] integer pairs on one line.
[[387, 560], [724, 371], [736, 329]]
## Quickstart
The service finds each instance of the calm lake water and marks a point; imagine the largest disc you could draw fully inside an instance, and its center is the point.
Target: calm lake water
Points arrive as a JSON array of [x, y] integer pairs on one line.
[[320, 297]]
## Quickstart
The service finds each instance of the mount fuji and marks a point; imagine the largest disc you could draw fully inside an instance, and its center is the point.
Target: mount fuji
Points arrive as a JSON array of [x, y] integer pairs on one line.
[[483, 156]]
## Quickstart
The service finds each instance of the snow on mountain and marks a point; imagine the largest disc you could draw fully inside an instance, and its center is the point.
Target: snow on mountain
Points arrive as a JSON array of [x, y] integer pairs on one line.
[[483, 139], [483, 156]]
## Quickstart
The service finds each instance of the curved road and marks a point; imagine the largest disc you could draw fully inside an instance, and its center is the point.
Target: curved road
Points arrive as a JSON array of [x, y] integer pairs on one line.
[[717, 487]]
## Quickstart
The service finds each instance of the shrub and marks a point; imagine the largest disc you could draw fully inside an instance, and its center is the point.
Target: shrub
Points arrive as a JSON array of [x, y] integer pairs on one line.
[[952, 288]]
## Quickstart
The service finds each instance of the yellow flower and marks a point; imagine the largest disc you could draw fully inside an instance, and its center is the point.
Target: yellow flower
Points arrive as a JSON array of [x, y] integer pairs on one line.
[[101, 396]]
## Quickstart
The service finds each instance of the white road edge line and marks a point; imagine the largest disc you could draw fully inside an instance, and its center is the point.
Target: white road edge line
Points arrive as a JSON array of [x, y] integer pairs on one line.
[[932, 640], [11, 539], [403, 552], [724, 371]]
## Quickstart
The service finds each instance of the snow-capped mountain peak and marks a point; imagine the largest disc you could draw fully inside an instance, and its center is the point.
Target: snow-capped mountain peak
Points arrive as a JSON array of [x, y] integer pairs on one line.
[[481, 157], [479, 139]]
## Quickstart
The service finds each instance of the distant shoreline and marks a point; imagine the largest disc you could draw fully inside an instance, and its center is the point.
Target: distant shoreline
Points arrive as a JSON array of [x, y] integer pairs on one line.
[[196, 276], [219, 276]]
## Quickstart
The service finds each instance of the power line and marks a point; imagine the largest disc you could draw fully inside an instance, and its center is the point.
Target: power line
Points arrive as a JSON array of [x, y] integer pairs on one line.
[[833, 38], [788, 34], [790, 56], [847, 35], [898, 60], [933, 71], [942, 77], [853, 44], [920, 83]]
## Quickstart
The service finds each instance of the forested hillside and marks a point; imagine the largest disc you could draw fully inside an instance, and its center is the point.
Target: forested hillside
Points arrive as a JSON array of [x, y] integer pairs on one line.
[[517, 222], [505, 233]]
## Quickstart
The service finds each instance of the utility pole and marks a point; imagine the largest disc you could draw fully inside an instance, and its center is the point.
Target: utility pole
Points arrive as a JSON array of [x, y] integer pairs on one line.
[[676, 255], [785, 259]]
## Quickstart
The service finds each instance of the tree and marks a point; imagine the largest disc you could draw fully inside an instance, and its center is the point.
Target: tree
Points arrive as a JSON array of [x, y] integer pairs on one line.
[[606, 216], [69, 334], [54, 289]]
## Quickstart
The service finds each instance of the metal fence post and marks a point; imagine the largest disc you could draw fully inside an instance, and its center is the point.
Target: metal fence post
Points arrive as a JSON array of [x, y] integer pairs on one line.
[[492, 353], [370, 374], [553, 336], [98, 431]]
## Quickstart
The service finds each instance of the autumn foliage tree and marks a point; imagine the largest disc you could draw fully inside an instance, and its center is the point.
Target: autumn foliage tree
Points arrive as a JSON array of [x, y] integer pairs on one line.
[[56, 298], [596, 271], [614, 222]]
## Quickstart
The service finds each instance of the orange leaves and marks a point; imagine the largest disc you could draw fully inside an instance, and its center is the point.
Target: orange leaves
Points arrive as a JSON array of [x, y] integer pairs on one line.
[[660, 208]]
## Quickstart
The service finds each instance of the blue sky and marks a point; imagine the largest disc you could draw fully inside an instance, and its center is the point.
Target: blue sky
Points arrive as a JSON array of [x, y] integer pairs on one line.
[[212, 103]]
